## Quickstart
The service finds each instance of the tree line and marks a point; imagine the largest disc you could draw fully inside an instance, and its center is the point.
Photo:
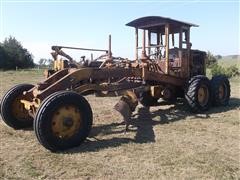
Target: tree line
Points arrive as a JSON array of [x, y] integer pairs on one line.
[[13, 55]]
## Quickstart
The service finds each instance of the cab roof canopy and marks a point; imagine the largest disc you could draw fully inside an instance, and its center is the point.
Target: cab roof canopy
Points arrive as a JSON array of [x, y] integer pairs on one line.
[[157, 24]]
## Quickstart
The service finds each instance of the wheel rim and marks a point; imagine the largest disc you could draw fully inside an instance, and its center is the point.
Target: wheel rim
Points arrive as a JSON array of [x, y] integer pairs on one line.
[[203, 95], [222, 91], [18, 110], [66, 121]]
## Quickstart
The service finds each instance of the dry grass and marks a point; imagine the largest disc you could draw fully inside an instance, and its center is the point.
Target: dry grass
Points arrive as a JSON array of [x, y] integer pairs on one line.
[[166, 142]]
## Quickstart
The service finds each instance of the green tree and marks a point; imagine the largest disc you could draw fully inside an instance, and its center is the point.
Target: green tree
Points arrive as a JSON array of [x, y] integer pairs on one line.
[[231, 71], [2, 57], [218, 56], [211, 59], [14, 55], [45, 62]]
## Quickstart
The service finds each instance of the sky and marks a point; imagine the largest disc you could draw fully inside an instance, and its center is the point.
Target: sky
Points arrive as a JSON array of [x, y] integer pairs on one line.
[[39, 24]]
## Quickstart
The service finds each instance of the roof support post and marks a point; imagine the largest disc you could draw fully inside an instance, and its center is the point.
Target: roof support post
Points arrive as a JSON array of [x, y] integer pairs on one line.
[[136, 48], [149, 43], [161, 39], [180, 38], [144, 56], [167, 48], [110, 48], [173, 43], [180, 49], [188, 51], [158, 43]]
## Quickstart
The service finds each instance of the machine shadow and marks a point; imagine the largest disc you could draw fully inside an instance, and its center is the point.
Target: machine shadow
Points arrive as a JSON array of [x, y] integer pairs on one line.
[[142, 123]]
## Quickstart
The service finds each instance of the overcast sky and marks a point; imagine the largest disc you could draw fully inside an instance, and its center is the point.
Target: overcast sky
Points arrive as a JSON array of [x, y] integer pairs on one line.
[[40, 24]]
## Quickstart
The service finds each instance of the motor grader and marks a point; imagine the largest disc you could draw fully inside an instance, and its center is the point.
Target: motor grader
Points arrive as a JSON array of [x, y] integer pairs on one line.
[[165, 67]]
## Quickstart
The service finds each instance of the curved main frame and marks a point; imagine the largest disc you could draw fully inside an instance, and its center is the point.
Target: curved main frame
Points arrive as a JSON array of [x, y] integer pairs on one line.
[[111, 80]]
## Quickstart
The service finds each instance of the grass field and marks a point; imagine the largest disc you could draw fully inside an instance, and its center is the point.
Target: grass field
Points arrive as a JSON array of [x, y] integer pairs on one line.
[[229, 61], [165, 142]]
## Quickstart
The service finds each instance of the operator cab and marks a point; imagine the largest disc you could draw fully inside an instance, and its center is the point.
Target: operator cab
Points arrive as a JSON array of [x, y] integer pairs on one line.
[[168, 43]]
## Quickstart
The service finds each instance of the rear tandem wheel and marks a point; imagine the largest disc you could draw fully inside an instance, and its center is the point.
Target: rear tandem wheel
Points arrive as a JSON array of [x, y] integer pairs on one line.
[[220, 90], [198, 93]]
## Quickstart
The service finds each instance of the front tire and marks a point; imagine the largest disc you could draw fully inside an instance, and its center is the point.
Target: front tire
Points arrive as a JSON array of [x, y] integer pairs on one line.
[[63, 121], [220, 90], [12, 110], [198, 94]]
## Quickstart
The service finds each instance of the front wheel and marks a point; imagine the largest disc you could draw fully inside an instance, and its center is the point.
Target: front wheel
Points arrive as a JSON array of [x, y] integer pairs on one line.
[[12, 110], [63, 121]]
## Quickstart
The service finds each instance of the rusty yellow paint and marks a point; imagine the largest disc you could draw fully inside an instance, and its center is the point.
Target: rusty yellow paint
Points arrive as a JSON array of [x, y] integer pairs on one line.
[[66, 121], [167, 47], [18, 109], [58, 64], [203, 95], [36, 102], [131, 96], [27, 104], [81, 74]]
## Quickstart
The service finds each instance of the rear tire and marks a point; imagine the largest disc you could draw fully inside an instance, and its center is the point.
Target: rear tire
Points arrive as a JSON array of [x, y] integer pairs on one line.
[[63, 121], [12, 110], [198, 94], [220, 90]]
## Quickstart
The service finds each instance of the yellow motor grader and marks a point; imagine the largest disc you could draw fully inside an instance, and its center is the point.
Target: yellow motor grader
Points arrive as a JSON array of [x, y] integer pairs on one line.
[[164, 67]]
